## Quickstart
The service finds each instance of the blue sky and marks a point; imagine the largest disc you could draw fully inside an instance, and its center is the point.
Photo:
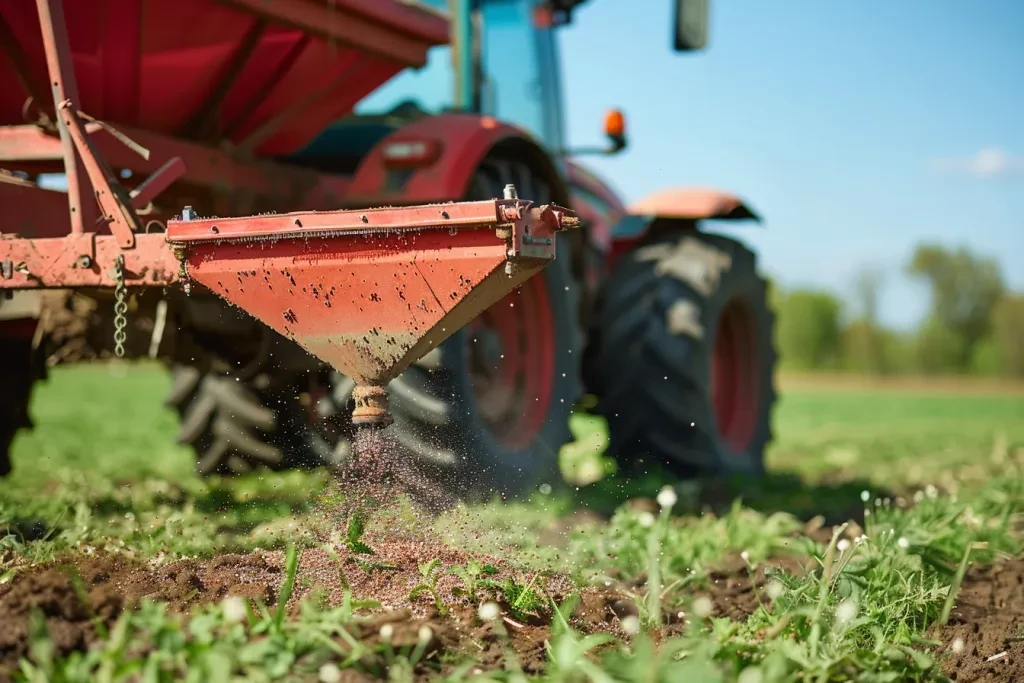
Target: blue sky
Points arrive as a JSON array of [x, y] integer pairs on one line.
[[856, 128]]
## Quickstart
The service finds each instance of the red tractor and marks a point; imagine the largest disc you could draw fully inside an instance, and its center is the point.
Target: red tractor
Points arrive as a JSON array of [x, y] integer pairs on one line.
[[665, 324]]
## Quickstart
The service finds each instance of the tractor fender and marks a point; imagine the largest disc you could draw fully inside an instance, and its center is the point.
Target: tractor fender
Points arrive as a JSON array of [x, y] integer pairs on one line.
[[448, 150], [675, 207]]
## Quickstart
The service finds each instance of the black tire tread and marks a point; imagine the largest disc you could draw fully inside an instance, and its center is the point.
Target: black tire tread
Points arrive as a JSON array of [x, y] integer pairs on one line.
[[653, 386]]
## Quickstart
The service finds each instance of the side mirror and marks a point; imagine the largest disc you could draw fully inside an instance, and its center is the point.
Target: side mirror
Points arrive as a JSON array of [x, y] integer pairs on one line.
[[690, 25]]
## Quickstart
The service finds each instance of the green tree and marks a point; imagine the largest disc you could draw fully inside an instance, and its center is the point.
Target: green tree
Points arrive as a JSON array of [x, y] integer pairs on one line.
[[965, 289], [864, 341], [938, 349], [808, 329], [1008, 335]]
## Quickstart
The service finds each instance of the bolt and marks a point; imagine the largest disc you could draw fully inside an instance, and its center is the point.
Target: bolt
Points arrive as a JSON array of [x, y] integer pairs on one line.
[[510, 192], [187, 214], [84, 261]]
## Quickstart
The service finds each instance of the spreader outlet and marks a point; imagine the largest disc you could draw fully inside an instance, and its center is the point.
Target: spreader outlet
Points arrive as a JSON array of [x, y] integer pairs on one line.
[[371, 291]]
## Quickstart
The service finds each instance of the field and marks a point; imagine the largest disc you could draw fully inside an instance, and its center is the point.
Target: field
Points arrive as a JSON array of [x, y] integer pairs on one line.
[[885, 545]]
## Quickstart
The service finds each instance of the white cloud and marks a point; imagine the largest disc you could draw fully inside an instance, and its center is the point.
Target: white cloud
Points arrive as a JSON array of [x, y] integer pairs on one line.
[[990, 162]]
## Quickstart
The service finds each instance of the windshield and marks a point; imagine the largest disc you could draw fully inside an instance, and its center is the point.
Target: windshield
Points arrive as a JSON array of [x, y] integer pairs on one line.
[[520, 82]]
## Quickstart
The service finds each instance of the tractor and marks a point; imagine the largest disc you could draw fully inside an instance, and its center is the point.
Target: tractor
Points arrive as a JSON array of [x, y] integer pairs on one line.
[[665, 324]]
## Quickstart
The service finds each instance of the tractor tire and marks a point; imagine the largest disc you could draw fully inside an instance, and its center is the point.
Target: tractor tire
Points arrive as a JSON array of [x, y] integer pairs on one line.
[[236, 424], [681, 358], [487, 411], [22, 368]]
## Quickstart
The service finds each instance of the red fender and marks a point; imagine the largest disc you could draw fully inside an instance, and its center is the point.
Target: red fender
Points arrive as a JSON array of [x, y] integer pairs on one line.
[[695, 204], [433, 160], [683, 204]]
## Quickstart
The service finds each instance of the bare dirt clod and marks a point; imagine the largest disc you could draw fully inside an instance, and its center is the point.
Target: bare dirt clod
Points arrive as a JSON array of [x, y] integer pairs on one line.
[[984, 638]]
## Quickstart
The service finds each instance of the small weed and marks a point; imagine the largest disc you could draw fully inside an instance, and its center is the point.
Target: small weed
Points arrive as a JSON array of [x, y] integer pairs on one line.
[[429, 572], [354, 534], [471, 576], [523, 600]]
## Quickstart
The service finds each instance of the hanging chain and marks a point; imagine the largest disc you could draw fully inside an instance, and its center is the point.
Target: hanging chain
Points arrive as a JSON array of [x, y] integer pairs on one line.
[[120, 307]]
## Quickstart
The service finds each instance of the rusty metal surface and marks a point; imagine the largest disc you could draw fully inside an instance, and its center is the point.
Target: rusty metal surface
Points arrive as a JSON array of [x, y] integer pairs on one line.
[[693, 204], [370, 291], [85, 260]]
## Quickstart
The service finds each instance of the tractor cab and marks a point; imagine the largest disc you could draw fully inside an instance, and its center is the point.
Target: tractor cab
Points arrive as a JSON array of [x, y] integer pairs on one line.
[[503, 61]]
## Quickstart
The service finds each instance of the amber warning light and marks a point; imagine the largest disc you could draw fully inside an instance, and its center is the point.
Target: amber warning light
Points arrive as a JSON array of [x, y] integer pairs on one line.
[[615, 129]]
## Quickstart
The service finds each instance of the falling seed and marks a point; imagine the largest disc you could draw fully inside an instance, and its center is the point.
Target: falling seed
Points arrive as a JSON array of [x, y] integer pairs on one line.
[[386, 632], [865, 496], [631, 625], [958, 645], [846, 611], [646, 519], [775, 589], [903, 543], [424, 635]]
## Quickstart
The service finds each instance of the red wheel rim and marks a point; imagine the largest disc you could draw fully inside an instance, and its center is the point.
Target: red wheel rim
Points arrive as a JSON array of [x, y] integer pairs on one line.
[[735, 376], [512, 364]]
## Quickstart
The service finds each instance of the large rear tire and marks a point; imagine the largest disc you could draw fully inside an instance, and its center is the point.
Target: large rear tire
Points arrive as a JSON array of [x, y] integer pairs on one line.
[[236, 424], [23, 367], [488, 410], [681, 357]]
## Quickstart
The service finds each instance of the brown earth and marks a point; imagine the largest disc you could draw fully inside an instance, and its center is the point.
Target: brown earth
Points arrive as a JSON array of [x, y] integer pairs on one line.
[[110, 584], [957, 386], [984, 638]]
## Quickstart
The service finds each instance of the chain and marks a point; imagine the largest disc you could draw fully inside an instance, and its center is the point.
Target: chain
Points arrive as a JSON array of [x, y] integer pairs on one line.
[[120, 307]]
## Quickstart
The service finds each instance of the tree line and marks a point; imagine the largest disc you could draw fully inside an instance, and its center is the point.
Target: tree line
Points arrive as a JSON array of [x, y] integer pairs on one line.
[[975, 325]]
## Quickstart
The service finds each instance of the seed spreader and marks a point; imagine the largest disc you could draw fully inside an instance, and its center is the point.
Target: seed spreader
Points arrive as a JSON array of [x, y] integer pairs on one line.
[[159, 106]]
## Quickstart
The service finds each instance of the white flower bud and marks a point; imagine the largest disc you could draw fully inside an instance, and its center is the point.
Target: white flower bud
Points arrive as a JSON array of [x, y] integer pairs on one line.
[[667, 497], [488, 611], [234, 609], [330, 673], [847, 611], [703, 607]]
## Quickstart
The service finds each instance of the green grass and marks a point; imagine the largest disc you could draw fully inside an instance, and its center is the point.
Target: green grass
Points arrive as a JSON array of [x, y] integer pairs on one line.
[[101, 470]]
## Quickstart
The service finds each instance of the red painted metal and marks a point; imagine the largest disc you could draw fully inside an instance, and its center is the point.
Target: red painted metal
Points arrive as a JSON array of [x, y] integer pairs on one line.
[[466, 140], [29, 211], [162, 66], [370, 291], [218, 169], [735, 376], [512, 363], [85, 260], [693, 204]]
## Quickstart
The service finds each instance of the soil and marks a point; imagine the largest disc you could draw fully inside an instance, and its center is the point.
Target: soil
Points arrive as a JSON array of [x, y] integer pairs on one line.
[[109, 584], [984, 638]]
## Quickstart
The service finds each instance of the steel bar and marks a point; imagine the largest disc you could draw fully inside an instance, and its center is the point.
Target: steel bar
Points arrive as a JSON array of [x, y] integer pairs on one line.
[[60, 66]]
